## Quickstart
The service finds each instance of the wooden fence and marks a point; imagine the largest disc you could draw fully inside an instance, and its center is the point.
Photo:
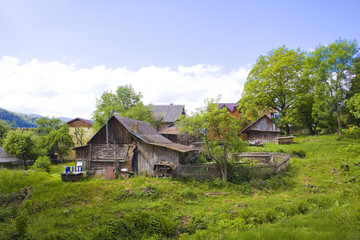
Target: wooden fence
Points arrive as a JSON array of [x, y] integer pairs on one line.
[[264, 163]]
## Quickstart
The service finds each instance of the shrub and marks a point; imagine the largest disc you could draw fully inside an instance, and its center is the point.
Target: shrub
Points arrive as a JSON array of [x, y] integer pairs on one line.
[[300, 153], [353, 132], [42, 164]]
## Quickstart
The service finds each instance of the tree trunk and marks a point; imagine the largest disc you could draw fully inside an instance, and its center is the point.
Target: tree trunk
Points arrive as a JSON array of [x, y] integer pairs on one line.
[[339, 123], [25, 165], [225, 173], [287, 127]]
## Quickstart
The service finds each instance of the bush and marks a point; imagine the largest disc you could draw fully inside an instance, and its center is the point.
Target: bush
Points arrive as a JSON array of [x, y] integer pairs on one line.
[[353, 132], [300, 153], [42, 164]]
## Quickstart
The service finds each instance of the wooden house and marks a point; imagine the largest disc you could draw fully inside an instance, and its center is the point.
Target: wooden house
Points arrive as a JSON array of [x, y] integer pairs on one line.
[[263, 129], [74, 129], [130, 145], [168, 115], [232, 108], [81, 131], [6, 160]]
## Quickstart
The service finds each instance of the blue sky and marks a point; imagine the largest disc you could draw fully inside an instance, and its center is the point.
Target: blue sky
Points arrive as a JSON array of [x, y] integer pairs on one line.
[[208, 46]]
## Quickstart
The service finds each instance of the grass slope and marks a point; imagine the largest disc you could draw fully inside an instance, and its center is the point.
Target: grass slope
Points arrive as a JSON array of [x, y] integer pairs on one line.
[[309, 201]]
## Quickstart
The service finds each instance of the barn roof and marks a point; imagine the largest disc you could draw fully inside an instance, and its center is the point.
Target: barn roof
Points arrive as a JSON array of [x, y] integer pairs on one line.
[[251, 127], [82, 120], [230, 106], [168, 113]]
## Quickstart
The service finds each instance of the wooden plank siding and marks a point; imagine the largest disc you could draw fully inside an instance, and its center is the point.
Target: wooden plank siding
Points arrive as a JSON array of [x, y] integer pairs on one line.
[[149, 155]]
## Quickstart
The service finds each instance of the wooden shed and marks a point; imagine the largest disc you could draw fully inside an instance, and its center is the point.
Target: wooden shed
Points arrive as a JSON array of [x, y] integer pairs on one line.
[[263, 129], [129, 144]]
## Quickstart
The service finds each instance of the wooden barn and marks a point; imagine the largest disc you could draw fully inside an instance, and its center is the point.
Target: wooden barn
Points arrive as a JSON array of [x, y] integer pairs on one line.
[[129, 144], [263, 129]]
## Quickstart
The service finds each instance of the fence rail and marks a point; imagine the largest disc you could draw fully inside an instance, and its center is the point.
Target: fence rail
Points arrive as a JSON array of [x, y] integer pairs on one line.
[[271, 163]]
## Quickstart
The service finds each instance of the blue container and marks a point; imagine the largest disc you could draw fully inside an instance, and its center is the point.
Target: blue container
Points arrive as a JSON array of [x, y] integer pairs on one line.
[[67, 169]]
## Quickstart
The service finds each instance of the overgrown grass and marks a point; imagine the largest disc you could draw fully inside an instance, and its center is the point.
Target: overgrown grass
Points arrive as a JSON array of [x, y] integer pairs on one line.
[[309, 201]]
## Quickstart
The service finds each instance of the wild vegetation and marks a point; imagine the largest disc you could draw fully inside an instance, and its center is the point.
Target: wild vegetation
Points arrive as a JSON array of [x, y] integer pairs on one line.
[[317, 198]]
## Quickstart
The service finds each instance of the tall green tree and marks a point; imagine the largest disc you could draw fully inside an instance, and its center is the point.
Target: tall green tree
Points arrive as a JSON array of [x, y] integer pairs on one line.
[[332, 73], [23, 145], [273, 84], [124, 102], [54, 136], [4, 128], [46, 125], [60, 141], [219, 132]]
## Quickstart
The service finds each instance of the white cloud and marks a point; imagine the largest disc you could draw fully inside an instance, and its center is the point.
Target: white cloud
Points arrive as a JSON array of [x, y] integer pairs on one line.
[[59, 89]]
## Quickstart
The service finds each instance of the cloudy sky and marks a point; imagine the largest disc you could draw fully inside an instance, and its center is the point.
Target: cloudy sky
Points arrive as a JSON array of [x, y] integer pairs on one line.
[[58, 56]]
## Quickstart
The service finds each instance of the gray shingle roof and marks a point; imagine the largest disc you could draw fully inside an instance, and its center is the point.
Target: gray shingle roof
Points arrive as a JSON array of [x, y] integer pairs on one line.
[[168, 113], [5, 157]]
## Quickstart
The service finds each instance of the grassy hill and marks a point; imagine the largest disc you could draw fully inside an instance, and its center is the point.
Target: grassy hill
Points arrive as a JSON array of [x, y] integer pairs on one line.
[[309, 201], [19, 120]]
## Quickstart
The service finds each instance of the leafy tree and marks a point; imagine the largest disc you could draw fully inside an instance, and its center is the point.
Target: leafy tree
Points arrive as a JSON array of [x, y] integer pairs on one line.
[[47, 125], [54, 136], [23, 145], [124, 102], [60, 141], [353, 105], [4, 128], [219, 132], [273, 84], [332, 73]]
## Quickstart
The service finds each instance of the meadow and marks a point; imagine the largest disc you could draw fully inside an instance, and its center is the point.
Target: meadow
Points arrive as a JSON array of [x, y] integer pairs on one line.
[[316, 198]]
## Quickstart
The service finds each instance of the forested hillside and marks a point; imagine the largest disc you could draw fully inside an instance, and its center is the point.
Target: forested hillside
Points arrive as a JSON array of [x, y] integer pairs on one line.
[[18, 119]]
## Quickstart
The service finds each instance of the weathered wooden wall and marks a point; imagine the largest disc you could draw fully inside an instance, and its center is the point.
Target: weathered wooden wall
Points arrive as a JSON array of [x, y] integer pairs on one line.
[[149, 155], [117, 134], [263, 136]]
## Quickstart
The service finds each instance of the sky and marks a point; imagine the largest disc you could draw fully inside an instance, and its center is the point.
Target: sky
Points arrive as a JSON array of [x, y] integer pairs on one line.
[[58, 56]]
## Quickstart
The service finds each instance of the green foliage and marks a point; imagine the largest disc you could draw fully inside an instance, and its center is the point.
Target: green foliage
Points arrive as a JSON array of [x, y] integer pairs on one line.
[[54, 136], [273, 84], [23, 145], [42, 164], [218, 130], [124, 102], [17, 119], [353, 104], [353, 132], [306, 202], [47, 125], [4, 128], [332, 67]]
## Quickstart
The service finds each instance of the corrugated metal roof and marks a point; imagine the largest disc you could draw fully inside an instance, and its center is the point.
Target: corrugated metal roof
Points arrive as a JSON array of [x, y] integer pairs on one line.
[[168, 113], [230, 106], [81, 119]]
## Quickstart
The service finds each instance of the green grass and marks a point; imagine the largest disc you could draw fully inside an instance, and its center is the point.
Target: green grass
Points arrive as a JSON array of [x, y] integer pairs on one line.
[[309, 201]]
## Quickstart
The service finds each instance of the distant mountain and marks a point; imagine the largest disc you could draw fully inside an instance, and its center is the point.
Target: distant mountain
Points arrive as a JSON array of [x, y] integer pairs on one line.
[[65, 119], [18, 119], [23, 120]]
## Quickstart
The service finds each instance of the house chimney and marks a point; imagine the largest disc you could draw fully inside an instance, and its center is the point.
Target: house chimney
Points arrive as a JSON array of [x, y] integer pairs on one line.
[[136, 127]]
